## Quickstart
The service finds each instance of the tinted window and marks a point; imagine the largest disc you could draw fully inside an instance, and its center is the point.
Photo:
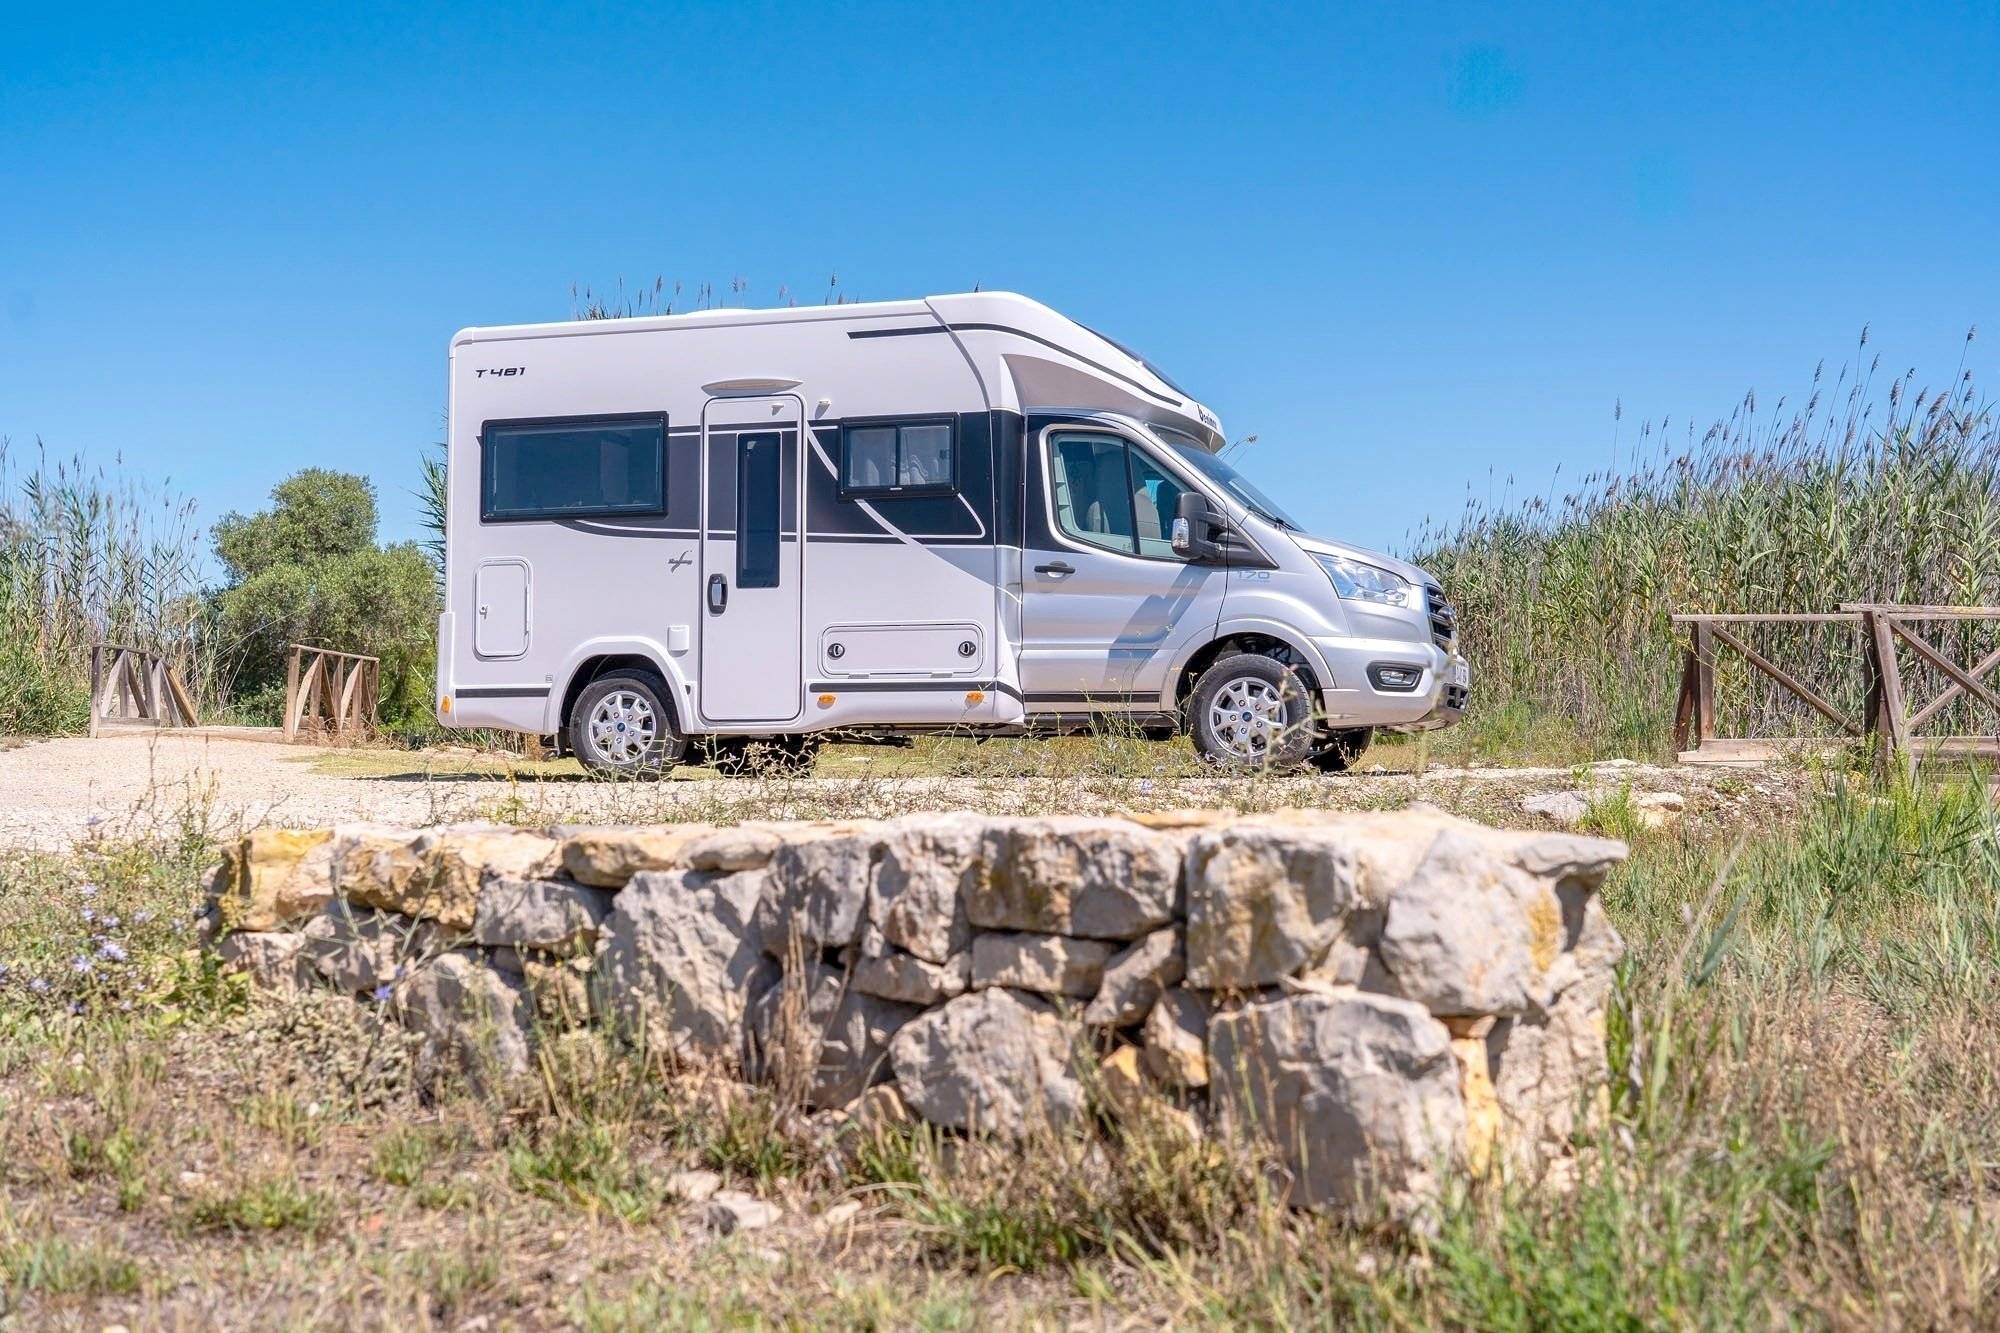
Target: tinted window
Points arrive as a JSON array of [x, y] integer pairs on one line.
[[1155, 499], [1112, 495], [1092, 490], [759, 482], [887, 459], [564, 469]]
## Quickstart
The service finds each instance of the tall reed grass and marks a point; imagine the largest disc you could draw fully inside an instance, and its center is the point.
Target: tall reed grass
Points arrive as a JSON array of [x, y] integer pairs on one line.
[[1863, 491], [87, 555]]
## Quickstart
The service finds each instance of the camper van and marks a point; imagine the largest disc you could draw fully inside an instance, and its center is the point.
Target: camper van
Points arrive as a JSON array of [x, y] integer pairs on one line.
[[719, 537]]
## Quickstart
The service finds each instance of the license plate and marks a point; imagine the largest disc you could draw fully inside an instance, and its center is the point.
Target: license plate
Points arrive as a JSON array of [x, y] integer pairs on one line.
[[1461, 673]]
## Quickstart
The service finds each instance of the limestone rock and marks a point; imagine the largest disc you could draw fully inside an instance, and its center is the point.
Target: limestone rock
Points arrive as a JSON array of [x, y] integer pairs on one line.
[[473, 1019], [1176, 1037], [554, 916], [360, 952], [1265, 900], [738, 847], [992, 1060], [1472, 933], [693, 1186], [1652, 809], [820, 888], [1548, 1071], [1357, 1092], [437, 874], [1484, 1122], [681, 960], [560, 990], [1135, 977], [930, 865], [1122, 1082], [1130, 1094], [1047, 964], [823, 1038], [731, 1211], [271, 959], [608, 858], [895, 975], [881, 1107], [1069, 875], [274, 879]]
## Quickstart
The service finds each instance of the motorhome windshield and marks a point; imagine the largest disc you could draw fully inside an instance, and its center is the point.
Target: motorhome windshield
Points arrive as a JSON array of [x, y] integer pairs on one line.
[[1229, 479]]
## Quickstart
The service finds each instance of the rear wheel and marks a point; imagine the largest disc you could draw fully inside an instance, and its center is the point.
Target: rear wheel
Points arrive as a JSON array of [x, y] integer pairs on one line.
[[1251, 711], [1339, 749], [621, 727]]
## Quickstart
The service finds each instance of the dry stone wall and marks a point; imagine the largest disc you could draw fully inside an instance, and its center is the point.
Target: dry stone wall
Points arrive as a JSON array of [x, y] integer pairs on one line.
[[1379, 997]]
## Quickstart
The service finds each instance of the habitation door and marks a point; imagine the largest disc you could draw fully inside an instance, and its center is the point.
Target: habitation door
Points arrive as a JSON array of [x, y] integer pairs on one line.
[[752, 560]]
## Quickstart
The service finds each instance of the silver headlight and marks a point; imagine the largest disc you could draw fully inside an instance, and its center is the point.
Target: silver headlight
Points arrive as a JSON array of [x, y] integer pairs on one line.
[[1357, 582]]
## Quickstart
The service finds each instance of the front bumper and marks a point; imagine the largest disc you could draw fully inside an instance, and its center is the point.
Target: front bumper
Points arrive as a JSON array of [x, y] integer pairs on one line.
[[1352, 700]]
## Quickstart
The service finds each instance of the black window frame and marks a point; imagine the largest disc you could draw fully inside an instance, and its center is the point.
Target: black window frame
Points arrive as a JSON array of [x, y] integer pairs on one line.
[[644, 510], [893, 492]]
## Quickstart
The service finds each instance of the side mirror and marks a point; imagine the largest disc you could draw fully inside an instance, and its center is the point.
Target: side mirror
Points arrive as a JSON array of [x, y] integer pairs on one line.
[[1195, 525]]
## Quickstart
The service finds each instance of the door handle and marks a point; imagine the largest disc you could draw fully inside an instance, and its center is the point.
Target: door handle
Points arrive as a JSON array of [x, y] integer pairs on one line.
[[718, 594], [1059, 568]]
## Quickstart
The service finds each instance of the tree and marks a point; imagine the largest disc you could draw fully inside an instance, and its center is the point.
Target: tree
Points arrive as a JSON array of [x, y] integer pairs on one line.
[[308, 570]]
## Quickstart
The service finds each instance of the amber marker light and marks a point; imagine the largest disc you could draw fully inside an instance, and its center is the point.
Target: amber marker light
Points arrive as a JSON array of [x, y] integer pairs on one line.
[[444, 704], [975, 696], [826, 701]]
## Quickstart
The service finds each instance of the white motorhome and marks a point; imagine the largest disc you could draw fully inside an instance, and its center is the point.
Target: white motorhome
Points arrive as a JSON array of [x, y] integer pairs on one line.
[[743, 529]]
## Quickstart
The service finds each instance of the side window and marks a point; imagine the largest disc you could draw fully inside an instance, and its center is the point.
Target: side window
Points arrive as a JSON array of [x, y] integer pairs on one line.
[[1109, 494], [1155, 498], [899, 458], [1093, 500], [573, 467]]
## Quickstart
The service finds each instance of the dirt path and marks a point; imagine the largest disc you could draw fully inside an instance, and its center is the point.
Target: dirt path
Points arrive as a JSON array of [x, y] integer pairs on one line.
[[53, 793]]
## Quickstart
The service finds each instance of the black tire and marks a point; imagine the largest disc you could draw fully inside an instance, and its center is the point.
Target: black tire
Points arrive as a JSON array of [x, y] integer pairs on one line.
[[594, 735], [790, 756], [1339, 749], [1271, 728]]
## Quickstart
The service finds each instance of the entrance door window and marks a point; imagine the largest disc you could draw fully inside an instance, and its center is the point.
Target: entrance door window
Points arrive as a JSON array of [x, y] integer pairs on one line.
[[759, 502], [1110, 494]]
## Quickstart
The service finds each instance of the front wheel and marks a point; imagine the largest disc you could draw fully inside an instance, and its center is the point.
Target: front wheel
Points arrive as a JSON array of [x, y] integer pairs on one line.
[[621, 726], [1251, 711]]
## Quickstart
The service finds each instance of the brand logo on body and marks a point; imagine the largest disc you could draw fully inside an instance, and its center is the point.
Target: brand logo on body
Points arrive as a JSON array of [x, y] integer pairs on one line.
[[680, 561], [501, 371]]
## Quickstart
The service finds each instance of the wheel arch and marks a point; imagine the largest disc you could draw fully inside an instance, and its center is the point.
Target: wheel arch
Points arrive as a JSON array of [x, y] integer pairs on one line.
[[600, 659], [1267, 640]]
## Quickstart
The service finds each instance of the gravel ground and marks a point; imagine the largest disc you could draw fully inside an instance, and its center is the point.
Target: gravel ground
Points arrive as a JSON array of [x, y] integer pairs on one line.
[[53, 793]]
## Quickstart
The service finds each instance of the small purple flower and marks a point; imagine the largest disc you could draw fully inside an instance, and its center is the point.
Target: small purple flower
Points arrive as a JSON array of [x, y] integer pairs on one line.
[[141, 917], [88, 916], [112, 950], [382, 993], [111, 922], [87, 890], [39, 986], [81, 964]]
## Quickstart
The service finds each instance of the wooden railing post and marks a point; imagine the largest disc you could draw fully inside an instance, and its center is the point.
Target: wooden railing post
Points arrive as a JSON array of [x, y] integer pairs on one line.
[[1892, 715]]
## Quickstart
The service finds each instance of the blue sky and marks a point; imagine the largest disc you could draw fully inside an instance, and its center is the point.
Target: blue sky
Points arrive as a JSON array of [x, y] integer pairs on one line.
[[1415, 249]]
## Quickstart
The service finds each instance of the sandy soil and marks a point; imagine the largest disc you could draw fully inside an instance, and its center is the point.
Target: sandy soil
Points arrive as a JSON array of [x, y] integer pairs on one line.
[[55, 792]]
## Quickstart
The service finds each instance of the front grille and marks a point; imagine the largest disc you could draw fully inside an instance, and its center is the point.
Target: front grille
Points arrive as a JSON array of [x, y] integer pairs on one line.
[[1444, 620], [1455, 696]]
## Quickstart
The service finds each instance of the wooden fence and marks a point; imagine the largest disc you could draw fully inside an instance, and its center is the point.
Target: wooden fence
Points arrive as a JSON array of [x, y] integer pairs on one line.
[[330, 694], [134, 687], [1885, 717]]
